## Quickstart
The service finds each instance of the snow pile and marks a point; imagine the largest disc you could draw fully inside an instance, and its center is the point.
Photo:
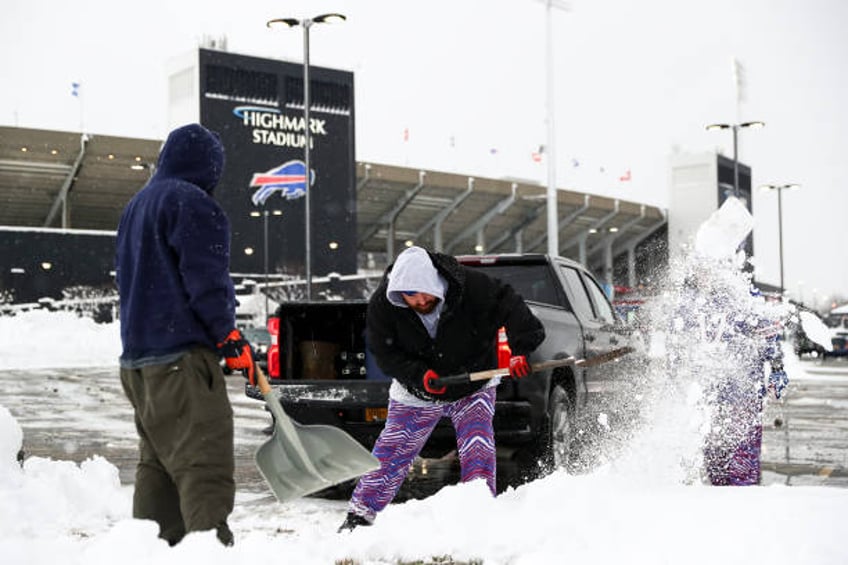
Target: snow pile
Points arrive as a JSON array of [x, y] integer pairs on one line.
[[11, 439], [40, 339], [45, 505], [61, 497], [54, 508], [589, 519]]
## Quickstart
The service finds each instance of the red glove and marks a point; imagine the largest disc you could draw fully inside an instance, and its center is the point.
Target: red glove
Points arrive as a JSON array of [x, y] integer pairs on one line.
[[238, 354], [430, 382], [518, 366]]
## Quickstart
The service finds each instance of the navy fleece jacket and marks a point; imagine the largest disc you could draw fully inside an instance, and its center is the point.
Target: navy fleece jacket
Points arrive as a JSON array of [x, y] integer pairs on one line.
[[173, 252]]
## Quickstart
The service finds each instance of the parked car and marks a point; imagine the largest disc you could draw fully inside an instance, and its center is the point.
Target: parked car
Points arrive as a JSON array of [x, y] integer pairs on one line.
[[837, 321]]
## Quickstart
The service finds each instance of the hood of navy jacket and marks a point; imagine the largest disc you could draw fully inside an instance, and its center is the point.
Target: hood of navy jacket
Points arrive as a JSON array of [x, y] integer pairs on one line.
[[173, 250], [194, 154]]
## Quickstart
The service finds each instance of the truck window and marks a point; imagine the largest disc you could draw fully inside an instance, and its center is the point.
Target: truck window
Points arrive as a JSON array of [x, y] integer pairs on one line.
[[532, 282], [581, 302], [601, 302]]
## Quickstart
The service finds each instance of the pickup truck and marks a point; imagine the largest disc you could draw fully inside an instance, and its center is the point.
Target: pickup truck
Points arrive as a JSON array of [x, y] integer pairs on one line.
[[320, 366]]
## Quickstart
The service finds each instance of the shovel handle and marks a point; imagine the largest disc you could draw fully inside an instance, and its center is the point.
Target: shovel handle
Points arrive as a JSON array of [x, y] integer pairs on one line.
[[535, 367], [503, 372], [264, 385]]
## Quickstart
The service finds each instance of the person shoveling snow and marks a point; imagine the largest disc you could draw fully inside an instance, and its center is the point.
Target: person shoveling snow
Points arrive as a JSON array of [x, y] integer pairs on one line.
[[736, 334]]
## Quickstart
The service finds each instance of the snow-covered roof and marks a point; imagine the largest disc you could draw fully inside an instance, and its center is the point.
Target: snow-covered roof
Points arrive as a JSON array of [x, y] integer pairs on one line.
[[103, 183]]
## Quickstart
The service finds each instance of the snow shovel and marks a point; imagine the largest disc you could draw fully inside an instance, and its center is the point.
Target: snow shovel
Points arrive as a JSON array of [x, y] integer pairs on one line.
[[300, 460], [536, 367]]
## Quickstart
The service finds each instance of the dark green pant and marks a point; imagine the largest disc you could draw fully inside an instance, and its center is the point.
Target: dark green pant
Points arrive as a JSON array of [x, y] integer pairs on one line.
[[184, 479]]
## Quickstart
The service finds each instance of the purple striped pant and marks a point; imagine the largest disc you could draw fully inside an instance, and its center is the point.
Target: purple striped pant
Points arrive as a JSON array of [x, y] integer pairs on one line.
[[732, 450], [406, 432]]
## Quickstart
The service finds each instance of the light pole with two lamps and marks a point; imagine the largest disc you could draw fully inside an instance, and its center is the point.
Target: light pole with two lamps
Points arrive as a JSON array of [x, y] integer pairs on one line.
[[307, 23], [264, 214], [735, 128], [780, 188]]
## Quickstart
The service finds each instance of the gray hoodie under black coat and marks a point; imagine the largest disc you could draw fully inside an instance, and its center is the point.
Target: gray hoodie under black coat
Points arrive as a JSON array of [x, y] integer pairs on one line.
[[475, 307]]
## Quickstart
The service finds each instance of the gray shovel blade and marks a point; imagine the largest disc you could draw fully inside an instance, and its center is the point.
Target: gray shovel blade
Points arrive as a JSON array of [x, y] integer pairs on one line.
[[299, 460]]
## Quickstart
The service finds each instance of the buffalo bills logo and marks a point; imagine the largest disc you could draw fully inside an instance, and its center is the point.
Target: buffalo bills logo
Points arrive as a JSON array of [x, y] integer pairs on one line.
[[289, 179]]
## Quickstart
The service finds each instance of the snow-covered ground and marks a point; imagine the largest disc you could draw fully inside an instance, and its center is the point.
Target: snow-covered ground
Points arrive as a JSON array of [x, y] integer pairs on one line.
[[637, 509]]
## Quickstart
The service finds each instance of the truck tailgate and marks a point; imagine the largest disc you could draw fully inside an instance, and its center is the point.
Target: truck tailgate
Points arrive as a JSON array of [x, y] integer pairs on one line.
[[341, 393]]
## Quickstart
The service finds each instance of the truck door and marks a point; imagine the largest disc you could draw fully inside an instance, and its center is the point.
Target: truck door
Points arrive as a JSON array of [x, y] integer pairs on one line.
[[596, 315]]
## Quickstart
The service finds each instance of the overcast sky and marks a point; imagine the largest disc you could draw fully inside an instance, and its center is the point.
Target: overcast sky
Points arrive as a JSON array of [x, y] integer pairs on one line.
[[635, 82]]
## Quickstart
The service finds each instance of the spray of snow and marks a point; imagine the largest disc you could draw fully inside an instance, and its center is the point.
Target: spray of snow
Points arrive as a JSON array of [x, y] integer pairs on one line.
[[695, 350]]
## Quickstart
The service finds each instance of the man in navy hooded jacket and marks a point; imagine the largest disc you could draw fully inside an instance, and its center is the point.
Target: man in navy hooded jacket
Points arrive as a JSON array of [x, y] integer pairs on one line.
[[177, 318]]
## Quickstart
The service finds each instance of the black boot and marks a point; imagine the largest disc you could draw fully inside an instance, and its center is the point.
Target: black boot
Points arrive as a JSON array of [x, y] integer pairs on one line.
[[225, 535], [352, 521]]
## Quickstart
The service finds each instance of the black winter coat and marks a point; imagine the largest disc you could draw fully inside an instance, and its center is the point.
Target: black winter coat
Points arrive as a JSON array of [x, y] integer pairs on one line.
[[476, 305]]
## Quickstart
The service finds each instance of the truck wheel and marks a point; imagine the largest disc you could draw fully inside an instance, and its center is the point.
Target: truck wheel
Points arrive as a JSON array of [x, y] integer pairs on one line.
[[557, 448], [552, 449]]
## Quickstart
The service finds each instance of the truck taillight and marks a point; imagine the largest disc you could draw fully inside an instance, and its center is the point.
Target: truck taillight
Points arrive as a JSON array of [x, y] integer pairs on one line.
[[274, 347], [504, 351]]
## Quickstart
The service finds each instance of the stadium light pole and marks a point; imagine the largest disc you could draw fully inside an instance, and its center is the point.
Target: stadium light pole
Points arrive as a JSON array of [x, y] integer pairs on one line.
[[736, 128], [550, 149], [264, 215], [306, 24], [780, 188]]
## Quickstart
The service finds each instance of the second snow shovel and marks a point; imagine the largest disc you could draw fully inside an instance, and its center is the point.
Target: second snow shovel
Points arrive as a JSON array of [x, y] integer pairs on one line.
[[536, 367], [299, 460]]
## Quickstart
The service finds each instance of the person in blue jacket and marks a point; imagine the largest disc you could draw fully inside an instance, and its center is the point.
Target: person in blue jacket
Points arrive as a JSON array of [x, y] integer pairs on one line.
[[177, 313]]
